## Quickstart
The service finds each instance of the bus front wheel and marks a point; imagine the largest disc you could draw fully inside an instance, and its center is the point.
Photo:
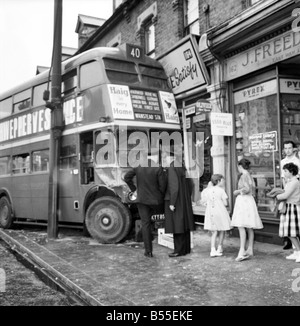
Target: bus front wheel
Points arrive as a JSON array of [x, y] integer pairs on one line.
[[6, 216], [108, 220]]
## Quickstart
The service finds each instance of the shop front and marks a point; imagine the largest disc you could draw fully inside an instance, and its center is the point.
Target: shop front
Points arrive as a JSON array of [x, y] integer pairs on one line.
[[263, 85]]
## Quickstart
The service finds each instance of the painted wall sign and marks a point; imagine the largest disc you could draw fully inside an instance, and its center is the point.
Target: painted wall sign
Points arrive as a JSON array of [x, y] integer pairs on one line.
[[255, 92], [290, 86], [263, 142], [275, 50], [120, 102], [184, 66], [221, 124]]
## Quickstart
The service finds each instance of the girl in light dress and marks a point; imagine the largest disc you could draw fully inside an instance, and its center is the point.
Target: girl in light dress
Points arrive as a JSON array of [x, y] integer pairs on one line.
[[245, 215], [217, 219]]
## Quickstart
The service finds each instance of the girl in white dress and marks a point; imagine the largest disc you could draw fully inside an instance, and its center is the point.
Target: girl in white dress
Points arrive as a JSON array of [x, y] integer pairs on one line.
[[217, 219], [245, 215]]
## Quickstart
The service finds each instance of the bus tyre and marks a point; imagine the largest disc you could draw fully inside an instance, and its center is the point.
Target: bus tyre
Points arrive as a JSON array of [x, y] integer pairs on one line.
[[6, 216], [108, 220]]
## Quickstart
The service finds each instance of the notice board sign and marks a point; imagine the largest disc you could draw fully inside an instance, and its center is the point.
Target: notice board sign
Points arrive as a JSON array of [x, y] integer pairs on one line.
[[221, 124], [263, 142]]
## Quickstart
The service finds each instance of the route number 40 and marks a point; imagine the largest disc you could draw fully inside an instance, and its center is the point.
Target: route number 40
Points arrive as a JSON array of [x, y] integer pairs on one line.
[[135, 52]]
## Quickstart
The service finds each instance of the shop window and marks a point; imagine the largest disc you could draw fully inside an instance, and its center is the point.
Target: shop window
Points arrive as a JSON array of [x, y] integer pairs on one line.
[[40, 161], [290, 109], [191, 17], [256, 137]]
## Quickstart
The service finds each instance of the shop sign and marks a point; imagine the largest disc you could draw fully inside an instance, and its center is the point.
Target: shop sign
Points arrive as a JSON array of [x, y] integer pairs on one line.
[[255, 92], [189, 110], [199, 118], [263, 142], [184, 66], [270, 52], [188, 123], [290, 86], [203, 106], [221, 124]]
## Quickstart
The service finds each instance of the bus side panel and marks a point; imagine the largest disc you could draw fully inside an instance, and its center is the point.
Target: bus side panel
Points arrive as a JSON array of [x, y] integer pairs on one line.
[[40, 191], [21, 194]]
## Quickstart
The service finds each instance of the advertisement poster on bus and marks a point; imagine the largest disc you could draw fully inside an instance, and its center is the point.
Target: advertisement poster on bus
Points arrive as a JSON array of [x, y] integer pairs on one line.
[[120, 102], [169, 107]]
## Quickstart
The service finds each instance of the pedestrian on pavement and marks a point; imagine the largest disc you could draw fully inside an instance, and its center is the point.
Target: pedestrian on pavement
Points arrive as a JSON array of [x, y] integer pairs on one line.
[[290, 218], [217, 219], [149, 192], [245, 215], [290, 151], [179, 218]]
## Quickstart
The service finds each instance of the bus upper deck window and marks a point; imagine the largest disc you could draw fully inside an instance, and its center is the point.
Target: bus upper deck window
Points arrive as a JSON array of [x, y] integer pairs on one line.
[[121, 71], [69, 83], [22, 100], [90, 75], [5, 107]]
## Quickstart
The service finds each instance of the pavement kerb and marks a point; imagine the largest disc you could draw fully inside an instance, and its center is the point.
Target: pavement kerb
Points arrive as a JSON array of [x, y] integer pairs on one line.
[[47, 270]]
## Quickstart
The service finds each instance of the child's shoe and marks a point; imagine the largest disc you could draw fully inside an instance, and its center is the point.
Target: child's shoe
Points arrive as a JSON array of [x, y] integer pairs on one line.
[[215, 253], [293, 256], [220, 250]]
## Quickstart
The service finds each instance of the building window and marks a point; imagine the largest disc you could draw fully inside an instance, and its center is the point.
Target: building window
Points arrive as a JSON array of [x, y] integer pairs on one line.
[[248, 3], [150, 39], [191, 17]]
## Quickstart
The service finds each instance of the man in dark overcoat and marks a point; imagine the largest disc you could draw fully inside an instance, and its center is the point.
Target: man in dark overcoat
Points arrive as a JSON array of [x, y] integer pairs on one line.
[[150, 187], [179, 218]]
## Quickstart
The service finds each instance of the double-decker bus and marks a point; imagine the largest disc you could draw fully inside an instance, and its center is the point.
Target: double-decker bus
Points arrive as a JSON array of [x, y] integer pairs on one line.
[[114, 99]]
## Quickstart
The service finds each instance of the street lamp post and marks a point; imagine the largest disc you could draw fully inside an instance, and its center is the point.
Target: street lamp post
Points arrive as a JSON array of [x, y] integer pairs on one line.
[[56, 122]]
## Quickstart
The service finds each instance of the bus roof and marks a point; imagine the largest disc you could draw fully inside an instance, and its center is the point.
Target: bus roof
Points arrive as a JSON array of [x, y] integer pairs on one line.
[[99, 52]]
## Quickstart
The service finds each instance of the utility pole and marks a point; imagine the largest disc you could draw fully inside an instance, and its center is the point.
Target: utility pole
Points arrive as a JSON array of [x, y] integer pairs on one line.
[[56, 122]]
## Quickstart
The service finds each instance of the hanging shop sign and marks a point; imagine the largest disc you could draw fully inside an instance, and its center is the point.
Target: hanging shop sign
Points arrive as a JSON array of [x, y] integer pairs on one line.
[[282, 47], [184, 67], [221, 124], [203, 106], [263, 142]]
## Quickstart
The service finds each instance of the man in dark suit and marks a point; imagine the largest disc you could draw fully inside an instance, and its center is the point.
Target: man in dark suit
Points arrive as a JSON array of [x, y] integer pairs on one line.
[[150, 187]]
